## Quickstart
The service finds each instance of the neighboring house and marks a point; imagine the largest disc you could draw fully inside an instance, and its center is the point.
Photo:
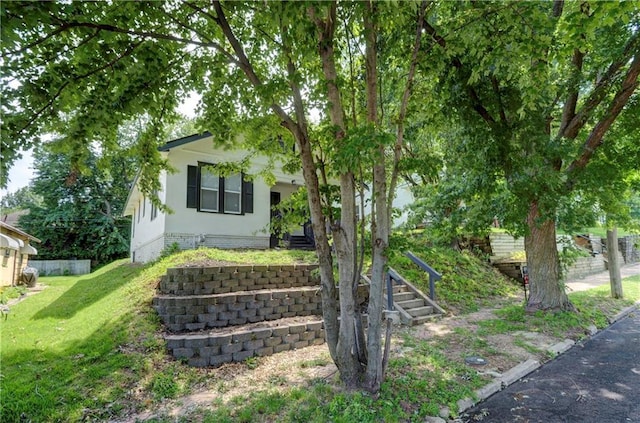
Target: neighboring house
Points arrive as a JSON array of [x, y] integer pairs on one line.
[[15, 250], [13, 218], [208, 210]]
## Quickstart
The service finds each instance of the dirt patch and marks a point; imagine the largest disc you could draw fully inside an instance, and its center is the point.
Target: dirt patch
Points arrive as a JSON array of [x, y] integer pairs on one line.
[[278, 372]]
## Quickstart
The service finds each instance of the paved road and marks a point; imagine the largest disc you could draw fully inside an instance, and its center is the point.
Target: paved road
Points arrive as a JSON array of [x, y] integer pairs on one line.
[[594, 382]]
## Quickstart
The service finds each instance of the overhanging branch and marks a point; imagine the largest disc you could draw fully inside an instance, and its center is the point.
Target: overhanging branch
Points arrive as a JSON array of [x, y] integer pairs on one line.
[[595, 138]]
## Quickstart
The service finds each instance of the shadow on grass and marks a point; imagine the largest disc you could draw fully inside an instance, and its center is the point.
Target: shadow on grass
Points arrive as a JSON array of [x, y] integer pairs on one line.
[[88, 290], [87, 381]]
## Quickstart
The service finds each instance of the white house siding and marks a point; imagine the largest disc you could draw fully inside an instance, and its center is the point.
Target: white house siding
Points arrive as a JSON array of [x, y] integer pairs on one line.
[[196, 223], [403, 199], [148, 251], [147, 239], [190, 228]]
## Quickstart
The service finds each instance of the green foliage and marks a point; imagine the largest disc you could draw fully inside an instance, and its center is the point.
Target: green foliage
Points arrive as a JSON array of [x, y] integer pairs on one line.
[[507, 72], [570, 254], [169, 250], [466, 280], [11, 292], [23, 199], [80, 212], [108, 344], [163, 385]]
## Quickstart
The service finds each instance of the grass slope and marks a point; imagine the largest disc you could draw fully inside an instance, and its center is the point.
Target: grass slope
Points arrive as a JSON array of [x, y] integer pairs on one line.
[[89, 349]]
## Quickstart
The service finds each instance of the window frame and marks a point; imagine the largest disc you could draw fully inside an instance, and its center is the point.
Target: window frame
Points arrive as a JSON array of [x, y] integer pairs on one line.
[[201, 188], [243, 190]]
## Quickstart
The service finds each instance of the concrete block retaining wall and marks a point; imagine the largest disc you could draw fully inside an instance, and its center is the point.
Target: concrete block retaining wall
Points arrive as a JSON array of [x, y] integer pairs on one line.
[[630, 248], [239, 311], [221, 280], [585, 266], [204, 350], [197, 312]]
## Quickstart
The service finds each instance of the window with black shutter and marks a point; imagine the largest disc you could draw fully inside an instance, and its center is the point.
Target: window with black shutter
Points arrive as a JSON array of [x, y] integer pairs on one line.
[[209, 192]]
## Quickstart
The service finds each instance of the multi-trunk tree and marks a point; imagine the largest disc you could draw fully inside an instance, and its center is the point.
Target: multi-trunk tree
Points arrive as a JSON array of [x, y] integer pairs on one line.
[[534, 89], [83, 68]]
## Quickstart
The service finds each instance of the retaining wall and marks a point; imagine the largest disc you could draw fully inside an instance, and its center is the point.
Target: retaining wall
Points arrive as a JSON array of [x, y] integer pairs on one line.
[[585, 266], [629, 246], [180, 313], [239, 311], [204, 350], [222, 280]]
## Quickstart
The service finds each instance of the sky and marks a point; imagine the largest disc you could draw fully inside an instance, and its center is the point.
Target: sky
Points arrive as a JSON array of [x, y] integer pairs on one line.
[[22, 171], [20, 174]]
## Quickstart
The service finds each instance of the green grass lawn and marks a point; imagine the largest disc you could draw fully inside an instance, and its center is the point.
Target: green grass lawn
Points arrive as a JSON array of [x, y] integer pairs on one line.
[[89, 349]]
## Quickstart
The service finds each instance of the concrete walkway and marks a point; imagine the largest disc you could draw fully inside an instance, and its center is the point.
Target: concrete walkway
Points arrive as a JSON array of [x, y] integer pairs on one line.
[[601, 278]]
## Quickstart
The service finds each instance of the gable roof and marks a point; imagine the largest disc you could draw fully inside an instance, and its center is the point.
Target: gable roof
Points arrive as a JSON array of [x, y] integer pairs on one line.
[[10, 228], [184, 140]]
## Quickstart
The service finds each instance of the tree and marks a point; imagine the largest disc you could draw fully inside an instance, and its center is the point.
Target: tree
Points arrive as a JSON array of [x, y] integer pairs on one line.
[[535, 89], [23, 199], [79, 216], [253, 65]]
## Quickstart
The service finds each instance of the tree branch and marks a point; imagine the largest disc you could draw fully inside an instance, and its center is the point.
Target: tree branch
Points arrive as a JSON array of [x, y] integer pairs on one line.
[[245, 65], [598, 94], [569, 110], [476, 104], [404, 104], [595, 138], [75, 79]]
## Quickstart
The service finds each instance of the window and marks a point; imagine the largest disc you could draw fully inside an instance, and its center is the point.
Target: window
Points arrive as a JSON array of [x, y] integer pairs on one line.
[[233, 194], [209, 192], [154, 209]]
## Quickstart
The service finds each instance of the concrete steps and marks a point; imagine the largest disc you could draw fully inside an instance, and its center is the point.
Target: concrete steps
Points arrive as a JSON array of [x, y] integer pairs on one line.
[[413, 305]]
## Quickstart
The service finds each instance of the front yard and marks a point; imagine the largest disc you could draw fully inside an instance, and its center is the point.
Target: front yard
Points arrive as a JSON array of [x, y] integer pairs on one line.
[[90, 349]]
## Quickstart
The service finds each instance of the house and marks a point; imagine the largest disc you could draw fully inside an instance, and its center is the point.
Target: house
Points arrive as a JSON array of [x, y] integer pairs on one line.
[[207, 209], [15, 250]]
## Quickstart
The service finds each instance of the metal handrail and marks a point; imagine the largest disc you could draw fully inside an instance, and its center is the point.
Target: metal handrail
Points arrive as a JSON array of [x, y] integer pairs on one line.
[[434, 276]]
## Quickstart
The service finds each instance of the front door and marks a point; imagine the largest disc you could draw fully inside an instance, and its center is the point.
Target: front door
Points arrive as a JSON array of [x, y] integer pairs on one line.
[[274, 240]]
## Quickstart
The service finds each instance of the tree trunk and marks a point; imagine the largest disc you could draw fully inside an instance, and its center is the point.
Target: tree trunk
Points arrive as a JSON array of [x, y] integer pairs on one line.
[[380, 230], [546, 288], [350, 349], [614, 263], [323, 250]]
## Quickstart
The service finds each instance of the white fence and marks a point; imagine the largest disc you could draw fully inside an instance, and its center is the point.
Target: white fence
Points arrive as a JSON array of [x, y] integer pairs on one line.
[[61, 267]]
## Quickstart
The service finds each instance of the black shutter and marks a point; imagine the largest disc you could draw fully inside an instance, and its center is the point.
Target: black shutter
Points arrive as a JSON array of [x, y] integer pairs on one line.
[[192, 187], [247, 196]]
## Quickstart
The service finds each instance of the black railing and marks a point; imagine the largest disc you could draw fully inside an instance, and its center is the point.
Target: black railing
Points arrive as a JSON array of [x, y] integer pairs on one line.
[[434, 276], [391, 276]]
